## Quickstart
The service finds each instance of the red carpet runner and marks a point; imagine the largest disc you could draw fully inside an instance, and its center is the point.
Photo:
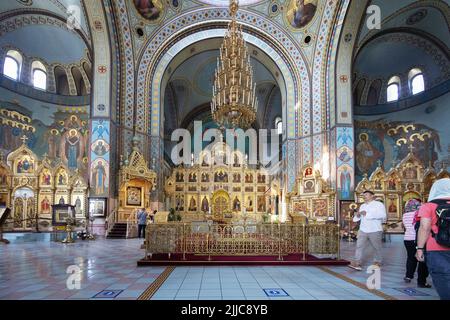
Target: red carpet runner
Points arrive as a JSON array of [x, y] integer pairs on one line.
[[289, 260]]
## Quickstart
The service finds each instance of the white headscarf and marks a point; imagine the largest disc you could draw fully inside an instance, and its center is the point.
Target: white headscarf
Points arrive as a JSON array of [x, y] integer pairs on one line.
[[440, 190]]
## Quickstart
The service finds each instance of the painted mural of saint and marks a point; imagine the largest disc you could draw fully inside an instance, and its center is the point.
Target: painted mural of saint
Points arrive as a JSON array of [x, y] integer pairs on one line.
[[99, 178], [78, 206], [366, 154], [236, 204], [345, 180], [149, 9], [45, 205], [100, 149], [301, 12], [205, 205], [192, 205], [72, 148]]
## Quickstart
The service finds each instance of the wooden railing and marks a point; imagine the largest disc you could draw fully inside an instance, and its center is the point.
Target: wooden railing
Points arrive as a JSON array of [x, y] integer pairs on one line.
[[240, 240]]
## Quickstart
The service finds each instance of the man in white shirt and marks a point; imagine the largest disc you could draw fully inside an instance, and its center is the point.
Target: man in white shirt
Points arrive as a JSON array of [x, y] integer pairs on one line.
[[372, 214]]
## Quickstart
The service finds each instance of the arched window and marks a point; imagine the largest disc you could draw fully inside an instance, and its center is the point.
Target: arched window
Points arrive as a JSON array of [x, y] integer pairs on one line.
[[393, 89], [416, 81], [12, 65], [279, 125], [39, 75]]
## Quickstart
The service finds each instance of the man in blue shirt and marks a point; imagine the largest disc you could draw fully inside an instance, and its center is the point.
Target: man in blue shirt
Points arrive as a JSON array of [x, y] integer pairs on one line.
[[142, 222]]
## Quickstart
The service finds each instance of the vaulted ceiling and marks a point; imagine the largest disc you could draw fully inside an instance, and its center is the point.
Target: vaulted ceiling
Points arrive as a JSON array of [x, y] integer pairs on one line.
[[39, 28], [413, 34]]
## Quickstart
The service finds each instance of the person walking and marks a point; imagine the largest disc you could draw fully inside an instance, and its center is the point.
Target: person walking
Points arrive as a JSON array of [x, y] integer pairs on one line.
[[142, 222], [433, 241], [372, 214], [409, 221]]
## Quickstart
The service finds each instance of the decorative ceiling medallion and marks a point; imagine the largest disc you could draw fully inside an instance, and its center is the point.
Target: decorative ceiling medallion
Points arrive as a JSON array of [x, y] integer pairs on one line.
[[274, 9], [417, 17], [151, 10], [25, 2], [300, 13]]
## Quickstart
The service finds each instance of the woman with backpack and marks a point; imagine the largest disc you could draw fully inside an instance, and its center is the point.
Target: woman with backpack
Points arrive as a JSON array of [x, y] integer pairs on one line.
[[409, 221], [433, 238]]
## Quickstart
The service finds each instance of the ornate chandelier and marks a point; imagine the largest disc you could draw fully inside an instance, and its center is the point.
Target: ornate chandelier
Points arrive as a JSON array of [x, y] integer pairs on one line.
[[234, 103]]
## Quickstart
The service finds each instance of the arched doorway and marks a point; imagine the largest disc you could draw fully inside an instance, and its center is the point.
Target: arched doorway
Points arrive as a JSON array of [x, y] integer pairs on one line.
[[23, 209], [220, 204]]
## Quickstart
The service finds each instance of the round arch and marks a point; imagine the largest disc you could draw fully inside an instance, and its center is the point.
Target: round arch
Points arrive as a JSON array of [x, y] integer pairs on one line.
[[287, 84]]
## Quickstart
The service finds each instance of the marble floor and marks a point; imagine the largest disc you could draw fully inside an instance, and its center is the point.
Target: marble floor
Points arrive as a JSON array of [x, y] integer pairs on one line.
[[40, 269]]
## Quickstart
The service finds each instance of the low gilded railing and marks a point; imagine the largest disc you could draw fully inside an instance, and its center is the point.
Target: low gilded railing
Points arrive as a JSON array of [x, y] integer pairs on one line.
[[240, 240]]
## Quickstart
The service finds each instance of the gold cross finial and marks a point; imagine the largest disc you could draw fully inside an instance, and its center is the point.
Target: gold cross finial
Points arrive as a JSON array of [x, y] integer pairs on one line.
[[24, 139]]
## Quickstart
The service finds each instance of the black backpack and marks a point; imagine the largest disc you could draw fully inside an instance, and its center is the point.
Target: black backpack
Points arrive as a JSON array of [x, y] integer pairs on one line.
[[442, 237]]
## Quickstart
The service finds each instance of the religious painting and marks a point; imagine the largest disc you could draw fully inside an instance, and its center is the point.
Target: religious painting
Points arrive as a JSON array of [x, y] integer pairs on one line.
[[392, 183], [72, 148], [300, 12], [300, 206], [205, 205], [205, 177], [236, 204], [192, 177], [45, 205], [309, 186], [261, 178], [346, 214], [261, 203], [320, 207], [410, 173], [179, 177], [46, 178], [378, 184], [99, 181], [379, 139], [345, 182], [78, 205], [345, 154], [392, 206], [192, 204], [62, 212], [100, 148], [3, 176], [97, 207], [261, 189], [24, 164], [61, 177], [134, 196], [149, 9], [366, 153], [308, 172], [249, 204]]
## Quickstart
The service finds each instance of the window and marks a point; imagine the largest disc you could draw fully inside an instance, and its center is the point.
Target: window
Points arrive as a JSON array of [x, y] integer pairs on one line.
[[279, 125], [416, 81], [39, 75], [393, 89], [12, 65], [417, 84]]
